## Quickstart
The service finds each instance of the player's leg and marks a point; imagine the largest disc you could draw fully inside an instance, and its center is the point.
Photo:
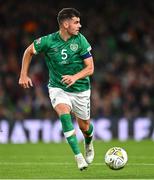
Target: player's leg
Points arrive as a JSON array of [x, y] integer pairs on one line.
[[87, 130], [81, 109], [63, 111], [62, 105]]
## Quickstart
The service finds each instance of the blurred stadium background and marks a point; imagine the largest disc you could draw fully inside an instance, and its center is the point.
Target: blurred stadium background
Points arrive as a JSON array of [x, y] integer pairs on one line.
[[122, 37]]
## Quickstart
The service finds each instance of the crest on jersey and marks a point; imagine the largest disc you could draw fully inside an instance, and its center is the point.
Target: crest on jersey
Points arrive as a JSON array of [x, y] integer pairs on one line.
[[74, 47]]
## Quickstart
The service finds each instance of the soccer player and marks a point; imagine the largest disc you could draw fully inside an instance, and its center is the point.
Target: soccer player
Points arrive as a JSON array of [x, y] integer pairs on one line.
[[70, 63]]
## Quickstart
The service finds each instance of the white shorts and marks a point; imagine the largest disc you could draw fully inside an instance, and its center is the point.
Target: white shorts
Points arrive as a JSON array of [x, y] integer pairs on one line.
[[78, 102]]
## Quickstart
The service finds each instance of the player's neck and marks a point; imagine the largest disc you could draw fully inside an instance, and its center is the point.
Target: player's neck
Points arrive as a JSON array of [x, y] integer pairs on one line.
[[64, 35]]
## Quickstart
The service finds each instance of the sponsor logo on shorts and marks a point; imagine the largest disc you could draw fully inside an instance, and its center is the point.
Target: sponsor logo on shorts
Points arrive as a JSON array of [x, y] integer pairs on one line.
[[53, 101]]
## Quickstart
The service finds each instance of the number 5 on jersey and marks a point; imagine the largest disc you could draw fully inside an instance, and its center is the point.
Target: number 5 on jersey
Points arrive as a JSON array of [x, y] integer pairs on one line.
[[64, 54]]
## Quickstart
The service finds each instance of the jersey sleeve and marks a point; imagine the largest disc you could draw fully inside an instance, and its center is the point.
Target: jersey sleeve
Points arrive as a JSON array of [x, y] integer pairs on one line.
[[41, 44], [85, 46]]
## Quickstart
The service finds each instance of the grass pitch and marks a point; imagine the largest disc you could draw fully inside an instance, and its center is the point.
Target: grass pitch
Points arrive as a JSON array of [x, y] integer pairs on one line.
[[56, 161]]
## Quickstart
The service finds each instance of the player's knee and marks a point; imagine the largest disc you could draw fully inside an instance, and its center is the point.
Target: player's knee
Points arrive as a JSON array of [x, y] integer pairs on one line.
[[84, 127], [62, 109]]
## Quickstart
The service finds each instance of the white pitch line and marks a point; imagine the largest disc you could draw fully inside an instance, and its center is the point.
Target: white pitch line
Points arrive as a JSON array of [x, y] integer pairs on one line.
[[67, 163], [74, 179], [130, 164], [55, 157]]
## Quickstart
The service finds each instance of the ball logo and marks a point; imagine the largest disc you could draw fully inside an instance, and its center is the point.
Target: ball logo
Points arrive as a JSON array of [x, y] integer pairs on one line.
[[74, 47]]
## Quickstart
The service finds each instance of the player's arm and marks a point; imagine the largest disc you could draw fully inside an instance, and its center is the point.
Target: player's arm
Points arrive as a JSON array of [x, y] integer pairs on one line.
[[24, 80], [87, 71]]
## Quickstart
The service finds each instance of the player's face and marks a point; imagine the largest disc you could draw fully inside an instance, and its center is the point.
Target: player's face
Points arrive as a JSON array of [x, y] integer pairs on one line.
[[73, 26]]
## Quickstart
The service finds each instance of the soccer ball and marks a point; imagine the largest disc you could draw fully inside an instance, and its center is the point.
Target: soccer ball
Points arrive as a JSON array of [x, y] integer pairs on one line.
[[116, 158]]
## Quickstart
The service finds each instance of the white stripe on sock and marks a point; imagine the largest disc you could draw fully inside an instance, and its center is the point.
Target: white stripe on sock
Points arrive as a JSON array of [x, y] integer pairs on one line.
[[69, 133]]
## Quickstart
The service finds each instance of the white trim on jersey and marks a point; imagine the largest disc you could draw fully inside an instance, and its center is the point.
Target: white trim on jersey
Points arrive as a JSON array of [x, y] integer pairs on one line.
[[34, 50]]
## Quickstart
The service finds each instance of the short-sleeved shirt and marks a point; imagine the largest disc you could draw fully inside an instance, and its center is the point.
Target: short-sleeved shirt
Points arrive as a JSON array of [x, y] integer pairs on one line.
[[64, 58]]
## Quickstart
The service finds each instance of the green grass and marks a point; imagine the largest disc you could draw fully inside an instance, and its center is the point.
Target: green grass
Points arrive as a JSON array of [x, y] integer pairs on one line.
[[42, 161]]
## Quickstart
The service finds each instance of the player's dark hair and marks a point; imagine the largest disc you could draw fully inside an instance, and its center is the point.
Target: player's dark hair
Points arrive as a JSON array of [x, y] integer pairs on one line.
[[67, 13]]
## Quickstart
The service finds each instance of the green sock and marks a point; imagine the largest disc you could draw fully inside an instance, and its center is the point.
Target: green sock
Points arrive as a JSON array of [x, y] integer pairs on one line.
[[72, 140], [90, 134], [68, 130]]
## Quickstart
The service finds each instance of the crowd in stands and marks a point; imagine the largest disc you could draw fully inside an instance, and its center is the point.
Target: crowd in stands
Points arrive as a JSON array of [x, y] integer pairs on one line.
[[121, 34]]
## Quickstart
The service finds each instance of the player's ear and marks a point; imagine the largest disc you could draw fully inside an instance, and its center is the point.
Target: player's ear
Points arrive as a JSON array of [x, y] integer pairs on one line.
[[65, 24]]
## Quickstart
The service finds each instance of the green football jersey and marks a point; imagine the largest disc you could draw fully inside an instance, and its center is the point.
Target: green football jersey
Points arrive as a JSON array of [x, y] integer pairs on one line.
[[64, 58]]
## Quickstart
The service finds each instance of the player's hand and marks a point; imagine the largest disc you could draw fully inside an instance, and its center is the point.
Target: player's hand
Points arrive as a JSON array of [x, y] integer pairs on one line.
[[69, 80], [25, 82]]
